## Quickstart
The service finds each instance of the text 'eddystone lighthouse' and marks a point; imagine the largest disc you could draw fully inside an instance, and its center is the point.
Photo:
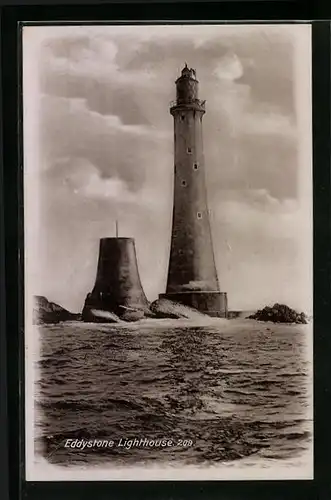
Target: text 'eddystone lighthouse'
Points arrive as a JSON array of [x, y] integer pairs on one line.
[[192, 275]]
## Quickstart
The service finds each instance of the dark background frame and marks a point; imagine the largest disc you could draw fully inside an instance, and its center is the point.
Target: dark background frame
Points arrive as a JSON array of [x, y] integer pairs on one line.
[[12, 253]]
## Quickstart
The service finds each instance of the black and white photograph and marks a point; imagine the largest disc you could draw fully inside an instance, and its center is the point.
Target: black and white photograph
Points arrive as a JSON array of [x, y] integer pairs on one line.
[[168, 251]]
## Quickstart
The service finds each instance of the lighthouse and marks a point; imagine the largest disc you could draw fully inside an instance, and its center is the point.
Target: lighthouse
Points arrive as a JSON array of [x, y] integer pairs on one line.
[[192, 276]]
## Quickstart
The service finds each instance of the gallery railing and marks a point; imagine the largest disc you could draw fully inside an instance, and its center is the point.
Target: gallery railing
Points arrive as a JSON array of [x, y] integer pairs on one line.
[[184, 102]]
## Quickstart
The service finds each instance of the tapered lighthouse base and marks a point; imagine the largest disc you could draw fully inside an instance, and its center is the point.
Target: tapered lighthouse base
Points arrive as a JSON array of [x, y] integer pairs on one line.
[[211, 303], [117, 289]]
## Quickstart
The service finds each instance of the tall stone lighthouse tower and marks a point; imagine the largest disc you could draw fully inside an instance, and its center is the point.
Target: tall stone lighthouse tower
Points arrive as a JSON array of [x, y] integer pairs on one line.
[[192, 275]]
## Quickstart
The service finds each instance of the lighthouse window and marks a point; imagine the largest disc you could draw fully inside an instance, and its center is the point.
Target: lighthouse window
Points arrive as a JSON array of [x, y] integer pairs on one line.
[[184, 183], [199, 215], [189, 150], [195, 166], [182, 117]]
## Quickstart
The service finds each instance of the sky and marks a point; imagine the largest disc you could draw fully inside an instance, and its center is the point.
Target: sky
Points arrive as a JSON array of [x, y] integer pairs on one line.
[[98, 146]]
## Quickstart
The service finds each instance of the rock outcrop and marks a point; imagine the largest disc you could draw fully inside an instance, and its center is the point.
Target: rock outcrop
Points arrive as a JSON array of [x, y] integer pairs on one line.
[[164, 308], [279, 313], [130, 314], [49, 312], [99, 316]]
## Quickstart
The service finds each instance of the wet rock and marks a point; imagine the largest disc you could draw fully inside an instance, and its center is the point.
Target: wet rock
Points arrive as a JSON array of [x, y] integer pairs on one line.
[[164, 308], [99, 316], [45, 312], [132, 316], [279, 313]]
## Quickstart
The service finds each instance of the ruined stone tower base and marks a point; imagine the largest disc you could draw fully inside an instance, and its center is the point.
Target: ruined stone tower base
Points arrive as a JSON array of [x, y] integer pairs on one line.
[[117, 288], [211, 303]]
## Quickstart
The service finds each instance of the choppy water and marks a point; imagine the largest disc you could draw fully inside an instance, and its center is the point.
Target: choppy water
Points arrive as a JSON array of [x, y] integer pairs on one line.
[[229, 390]]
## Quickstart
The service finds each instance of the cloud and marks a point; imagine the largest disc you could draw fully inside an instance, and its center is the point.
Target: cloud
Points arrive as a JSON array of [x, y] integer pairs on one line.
[[84, 179], [78, 179], [265, 245], [69, 129], [257, 215], [85, 57]]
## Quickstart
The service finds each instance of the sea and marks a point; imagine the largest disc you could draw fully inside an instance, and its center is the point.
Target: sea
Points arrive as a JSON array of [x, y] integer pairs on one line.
[[174, 392]]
